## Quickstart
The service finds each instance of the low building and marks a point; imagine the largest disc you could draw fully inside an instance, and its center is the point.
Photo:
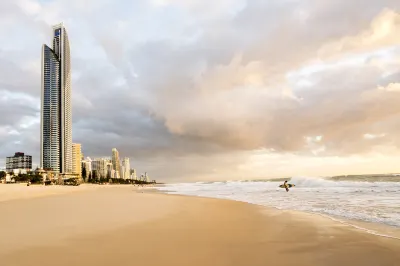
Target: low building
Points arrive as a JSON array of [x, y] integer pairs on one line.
[[18, 171], [19, 163]]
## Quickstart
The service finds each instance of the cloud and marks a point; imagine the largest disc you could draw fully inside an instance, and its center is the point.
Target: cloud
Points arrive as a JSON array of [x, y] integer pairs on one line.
[[390, 87], [384, 31], [372, 136], [236, 105]]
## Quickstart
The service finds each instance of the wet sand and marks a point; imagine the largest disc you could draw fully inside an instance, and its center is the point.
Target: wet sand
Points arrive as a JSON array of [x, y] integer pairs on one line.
[[123, 226]]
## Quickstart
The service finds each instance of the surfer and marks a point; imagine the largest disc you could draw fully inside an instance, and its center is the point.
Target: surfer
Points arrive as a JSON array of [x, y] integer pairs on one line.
[[285, 185]]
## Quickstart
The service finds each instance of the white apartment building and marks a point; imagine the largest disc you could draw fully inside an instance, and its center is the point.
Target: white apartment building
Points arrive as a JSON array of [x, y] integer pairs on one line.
[[115, 161], [126, 168], [101, 165], [87, 164], [133, 174]]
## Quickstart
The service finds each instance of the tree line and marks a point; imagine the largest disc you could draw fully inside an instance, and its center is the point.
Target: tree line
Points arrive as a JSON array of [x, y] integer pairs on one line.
[[93, 178], [30, 176]]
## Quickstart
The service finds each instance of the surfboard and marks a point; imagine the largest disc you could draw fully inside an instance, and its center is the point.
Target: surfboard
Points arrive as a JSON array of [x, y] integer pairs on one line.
[[289, 185]]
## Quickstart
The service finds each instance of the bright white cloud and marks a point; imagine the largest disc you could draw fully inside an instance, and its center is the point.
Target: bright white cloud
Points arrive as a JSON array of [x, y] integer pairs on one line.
[[374, 136]]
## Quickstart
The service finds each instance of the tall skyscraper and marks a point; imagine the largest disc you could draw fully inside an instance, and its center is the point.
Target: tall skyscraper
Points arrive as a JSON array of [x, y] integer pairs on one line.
[[127, 168], [56, 111], [76, 159], [115, 161]]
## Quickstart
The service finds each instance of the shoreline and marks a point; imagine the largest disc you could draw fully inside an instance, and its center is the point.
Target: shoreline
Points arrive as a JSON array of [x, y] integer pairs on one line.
[[376, 229], [127, 226], [373, 228]]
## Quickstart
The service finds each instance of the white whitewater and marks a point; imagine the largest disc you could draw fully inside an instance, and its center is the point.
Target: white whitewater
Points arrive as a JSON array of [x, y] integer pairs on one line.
[[355, 199]]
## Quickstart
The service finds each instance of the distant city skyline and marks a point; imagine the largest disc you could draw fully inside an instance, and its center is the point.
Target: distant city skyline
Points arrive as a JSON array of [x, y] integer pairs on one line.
[[104, 166]]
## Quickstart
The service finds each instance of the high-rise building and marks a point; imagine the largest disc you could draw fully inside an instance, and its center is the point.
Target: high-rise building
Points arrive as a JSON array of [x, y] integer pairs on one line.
[[123, 171], [56, 111], [126, 168], [115, 161], [133, 174], [109, 169], [76, 159], [113, 174], [146, 177], [87, 164], [19, 161], [100, 165]]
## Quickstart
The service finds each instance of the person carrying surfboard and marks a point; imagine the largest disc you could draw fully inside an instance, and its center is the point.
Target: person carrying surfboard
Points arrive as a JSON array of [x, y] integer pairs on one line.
[[286, 186]]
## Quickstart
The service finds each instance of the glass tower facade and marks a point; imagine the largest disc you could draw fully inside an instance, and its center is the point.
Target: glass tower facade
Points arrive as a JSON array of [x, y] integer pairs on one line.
[[56, 113]]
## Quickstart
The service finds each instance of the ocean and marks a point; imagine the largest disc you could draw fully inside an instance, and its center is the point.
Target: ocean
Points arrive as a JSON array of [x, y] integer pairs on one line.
[[372, 199]]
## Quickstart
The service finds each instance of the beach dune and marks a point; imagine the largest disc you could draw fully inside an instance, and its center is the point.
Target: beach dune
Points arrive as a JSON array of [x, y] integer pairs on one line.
[[123, 225]]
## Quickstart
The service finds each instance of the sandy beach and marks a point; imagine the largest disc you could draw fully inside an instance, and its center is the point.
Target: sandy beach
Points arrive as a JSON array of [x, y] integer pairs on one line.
[[123, 225]]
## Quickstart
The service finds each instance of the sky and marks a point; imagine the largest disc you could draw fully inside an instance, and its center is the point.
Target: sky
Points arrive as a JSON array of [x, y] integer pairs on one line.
[[194, 90]]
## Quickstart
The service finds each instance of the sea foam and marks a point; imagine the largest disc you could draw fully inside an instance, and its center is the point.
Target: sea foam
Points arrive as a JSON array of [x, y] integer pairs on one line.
[[358, 199]]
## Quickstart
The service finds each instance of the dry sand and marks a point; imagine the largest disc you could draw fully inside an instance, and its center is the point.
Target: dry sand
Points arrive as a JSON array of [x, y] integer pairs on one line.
[[22, 191], [122, 226]]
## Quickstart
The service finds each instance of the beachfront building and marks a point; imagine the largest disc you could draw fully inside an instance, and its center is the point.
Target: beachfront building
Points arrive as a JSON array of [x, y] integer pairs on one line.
[[146, 177], [19, 163], [133, 174], [109, 169], [113, 173], [76, 159], [115, 161], [101, 166], [126, 168], [123, 172], [56, 114], [87, 164]]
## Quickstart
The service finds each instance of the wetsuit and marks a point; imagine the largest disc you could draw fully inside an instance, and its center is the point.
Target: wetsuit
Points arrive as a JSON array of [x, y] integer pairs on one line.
[[286, 186]]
